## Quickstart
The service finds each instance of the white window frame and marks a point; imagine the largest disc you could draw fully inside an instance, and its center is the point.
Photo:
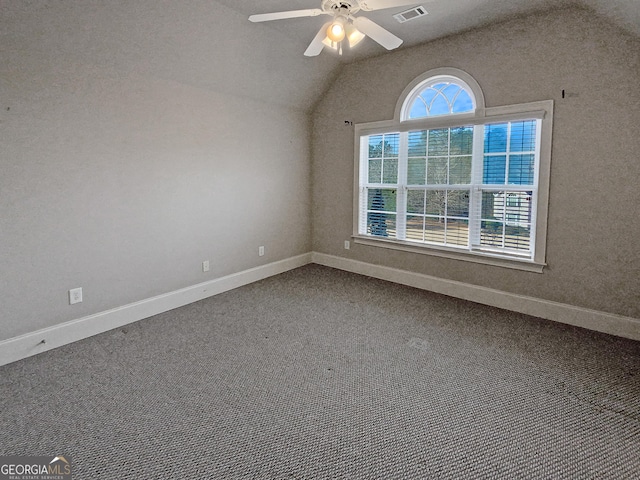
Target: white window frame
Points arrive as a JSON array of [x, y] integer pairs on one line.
[[541, 110]]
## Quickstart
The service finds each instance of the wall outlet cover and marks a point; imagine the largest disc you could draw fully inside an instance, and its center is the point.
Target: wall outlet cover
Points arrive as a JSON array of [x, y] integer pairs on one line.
[[75, 296]]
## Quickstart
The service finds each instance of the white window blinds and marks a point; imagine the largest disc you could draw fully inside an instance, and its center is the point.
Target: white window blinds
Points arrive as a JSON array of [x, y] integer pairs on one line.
[[469, 187]]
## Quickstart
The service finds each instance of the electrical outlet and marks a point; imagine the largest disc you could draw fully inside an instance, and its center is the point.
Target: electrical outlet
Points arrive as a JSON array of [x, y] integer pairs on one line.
[[347, 245], [261, 250], [205, 266], [75, 296]]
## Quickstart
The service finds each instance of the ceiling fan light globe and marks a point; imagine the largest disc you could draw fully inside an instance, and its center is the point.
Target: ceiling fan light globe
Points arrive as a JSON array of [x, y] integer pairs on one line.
[[354, 35], [335, 32]]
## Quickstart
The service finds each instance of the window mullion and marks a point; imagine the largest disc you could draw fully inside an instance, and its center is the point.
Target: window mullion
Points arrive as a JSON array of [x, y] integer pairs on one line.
[[363, 181], [475, 200], [362, 214], [448, 185], [401, 201], [534, 196], [508, 155]]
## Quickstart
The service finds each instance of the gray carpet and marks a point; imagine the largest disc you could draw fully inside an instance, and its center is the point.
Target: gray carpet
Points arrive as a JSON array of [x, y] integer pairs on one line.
[[318, 373]]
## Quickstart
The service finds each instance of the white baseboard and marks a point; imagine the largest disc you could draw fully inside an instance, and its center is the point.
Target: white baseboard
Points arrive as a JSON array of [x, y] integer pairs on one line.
[[619, 325], [32, 343]]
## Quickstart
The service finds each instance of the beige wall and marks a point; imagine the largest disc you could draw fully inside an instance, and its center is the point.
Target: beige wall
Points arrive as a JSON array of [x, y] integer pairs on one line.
[[133, 148], [117, 178], [594, 225]]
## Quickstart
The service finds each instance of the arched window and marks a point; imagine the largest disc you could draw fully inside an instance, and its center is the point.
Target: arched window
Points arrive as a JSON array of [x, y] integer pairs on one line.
[[450, 177], [442, 95], [440, 92]]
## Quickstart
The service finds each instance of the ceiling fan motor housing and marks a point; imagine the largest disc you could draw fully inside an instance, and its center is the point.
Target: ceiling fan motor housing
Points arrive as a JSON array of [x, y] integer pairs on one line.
[[340, 7]]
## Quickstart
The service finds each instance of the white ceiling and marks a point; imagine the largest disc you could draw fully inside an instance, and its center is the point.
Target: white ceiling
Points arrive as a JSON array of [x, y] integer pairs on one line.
[[211, 44], [445, 17]]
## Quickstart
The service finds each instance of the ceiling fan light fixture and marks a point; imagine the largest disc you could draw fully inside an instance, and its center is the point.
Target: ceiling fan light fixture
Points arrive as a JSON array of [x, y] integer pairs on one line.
[[329, 43], [354, 35], [343, 23], [336, 32]]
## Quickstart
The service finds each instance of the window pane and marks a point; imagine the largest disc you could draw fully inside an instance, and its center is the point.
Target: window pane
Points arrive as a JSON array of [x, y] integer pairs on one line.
[[521, 169], [492, 205], [428, 94], [391, 144], [460, 170], [495, 138], [461, 140], [391, 226], [415, 201], [439, 106], [375, 170], [439, 142], [441, 99], [418, 144], [463, 103], [493, 169], [415, 228], [518, 208], [506, 220], [517, 237], [418, 109], [434, 230], [523, 136], [384, 145], [375, 146], [458, 203], [379, 221], [381, 199], [381, 224], [450, 92], [458, 232], [390, 171], [436, 202], [491, 234], [437, 171], [416, 171]]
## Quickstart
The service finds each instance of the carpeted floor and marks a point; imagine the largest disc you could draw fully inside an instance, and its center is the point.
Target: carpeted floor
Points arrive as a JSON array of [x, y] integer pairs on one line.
[[323, 374]]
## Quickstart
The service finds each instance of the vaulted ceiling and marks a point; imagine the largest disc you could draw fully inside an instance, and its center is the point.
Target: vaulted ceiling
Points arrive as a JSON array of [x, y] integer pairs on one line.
[[211, 43], [445, 17]]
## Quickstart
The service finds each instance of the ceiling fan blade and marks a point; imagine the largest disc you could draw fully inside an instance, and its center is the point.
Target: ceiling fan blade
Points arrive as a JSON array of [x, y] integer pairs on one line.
[[370, 5], [384, 37], [316, 45], [266, 17]]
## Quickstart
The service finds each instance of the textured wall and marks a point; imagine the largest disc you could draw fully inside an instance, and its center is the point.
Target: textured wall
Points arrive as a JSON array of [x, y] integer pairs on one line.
[[120, 180], [594, 225]]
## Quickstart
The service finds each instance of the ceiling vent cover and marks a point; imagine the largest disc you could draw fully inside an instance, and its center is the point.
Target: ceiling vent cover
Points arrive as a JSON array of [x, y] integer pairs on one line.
[[410, 14]]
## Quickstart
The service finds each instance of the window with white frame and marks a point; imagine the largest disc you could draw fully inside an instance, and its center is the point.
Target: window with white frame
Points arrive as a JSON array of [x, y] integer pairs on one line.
[[452, 178]]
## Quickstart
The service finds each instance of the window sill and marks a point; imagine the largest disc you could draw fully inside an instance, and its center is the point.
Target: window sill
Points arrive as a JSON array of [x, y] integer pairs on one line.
[[476, 257]]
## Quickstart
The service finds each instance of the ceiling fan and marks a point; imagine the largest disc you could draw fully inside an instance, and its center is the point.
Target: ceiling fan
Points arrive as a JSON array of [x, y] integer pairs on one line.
[[344, 24]]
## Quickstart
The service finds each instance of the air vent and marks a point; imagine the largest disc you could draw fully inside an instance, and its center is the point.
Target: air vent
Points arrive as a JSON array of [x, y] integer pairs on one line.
[[410, 14]]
